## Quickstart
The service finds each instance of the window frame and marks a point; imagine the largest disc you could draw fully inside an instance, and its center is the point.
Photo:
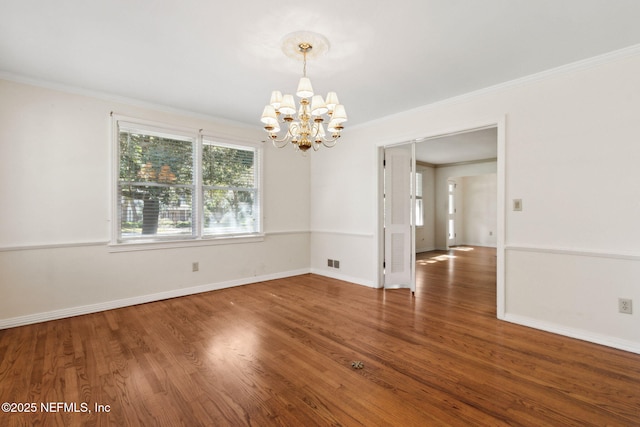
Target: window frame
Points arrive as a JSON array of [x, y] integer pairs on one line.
[[230, 143], [197, 237]]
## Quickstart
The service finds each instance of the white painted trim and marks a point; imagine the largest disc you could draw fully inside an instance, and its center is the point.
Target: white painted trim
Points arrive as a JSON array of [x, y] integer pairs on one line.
[[482, 245], [426, 249], [501, 212], [17, 78], [343, 233], [580, 334], [175, 244], [43, 246], [378, 241], [584, 64], [343, 277], [500, 124], [584, 253], [125, 302], [412, 134], [171, 245], [286, 232], [470, 162]]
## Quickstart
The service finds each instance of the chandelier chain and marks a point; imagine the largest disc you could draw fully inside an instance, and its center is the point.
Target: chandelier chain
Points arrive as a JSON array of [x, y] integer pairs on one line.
[[304, 63], [304, 48]]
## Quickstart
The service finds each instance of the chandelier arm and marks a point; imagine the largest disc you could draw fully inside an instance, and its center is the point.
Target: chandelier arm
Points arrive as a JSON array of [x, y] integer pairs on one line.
[[279, 143], [284, 138], [332, 139], [330, 144]]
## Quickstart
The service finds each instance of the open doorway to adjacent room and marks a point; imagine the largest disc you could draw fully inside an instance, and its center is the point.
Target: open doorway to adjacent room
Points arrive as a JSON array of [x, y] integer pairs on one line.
[[456, 217], [454, 220]]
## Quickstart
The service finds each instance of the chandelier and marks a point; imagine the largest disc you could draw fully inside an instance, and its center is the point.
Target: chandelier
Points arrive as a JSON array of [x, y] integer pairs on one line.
[[307, 129]]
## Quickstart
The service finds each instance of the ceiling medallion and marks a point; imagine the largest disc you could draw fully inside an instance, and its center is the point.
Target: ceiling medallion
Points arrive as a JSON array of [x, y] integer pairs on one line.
[[307, 129]]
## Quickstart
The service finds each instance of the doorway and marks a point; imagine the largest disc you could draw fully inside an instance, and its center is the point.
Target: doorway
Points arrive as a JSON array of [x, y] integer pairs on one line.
[[478, 149]]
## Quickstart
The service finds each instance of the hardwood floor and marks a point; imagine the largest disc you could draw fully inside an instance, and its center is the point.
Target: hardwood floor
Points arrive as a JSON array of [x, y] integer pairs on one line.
[[280, 353]]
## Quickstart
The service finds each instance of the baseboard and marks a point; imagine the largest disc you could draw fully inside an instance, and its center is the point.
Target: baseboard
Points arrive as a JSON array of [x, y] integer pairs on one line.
[[620, 344], [343, 277], [425, 249], [142, 299]]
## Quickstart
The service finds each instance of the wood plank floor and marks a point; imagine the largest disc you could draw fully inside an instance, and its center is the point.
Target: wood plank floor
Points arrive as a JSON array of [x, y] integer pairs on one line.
[[280, 353]]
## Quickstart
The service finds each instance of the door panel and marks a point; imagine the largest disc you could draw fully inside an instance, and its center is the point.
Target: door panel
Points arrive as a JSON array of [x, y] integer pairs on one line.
[[397, 217]]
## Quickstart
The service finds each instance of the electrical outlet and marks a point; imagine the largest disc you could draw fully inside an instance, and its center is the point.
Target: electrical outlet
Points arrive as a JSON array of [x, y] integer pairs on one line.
[[517, 204], [625, 305], [195, 266], [336, 264], [329, 263]]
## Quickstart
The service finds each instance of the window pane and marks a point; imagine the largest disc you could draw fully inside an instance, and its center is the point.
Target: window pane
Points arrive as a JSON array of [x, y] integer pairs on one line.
[[418, 184], [148, 158], [419, 213], [228, 167], [155, 211], [155, 185], [229, 212]]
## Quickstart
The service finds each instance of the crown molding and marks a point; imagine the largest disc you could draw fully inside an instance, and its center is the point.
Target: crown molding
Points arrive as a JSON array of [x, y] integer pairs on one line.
[[104, 96], [584, 64]]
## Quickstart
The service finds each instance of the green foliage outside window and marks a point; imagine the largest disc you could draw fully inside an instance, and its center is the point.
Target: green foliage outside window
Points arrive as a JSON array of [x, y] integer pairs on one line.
[[158, 192]]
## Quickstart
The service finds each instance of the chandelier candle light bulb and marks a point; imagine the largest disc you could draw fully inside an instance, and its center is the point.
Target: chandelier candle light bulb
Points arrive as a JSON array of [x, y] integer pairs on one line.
[[306, 130]]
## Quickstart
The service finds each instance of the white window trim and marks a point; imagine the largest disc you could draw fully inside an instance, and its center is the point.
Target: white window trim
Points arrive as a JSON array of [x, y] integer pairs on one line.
[[116, 245]]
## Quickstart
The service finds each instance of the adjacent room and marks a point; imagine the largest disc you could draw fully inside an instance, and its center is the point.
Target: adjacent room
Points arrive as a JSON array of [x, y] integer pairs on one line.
[[349, 213]]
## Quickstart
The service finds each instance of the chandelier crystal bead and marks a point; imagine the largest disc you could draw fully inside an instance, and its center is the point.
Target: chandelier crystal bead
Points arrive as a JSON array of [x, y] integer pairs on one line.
[[306, 129]]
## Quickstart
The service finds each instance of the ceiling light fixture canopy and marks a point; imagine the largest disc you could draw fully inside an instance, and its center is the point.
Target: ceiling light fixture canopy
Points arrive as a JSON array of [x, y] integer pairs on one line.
[[307, 129]]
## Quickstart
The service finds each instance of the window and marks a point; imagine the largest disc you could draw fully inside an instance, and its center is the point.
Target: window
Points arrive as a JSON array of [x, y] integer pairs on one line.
[[419, 206], [229, 188], [181, 185]]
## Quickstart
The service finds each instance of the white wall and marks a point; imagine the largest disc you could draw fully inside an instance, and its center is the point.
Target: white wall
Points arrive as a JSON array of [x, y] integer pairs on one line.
[[426, 235], [572, 156], [442, 194], [480, 205], [338, 232], [55, 190], [477, 191]]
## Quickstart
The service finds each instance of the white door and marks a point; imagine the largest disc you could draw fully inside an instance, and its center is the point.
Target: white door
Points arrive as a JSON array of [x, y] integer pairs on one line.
[[398, 208], [451, 213]]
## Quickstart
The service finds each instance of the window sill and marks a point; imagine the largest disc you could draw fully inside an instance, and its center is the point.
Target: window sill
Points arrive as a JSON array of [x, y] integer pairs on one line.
[[187, 243]]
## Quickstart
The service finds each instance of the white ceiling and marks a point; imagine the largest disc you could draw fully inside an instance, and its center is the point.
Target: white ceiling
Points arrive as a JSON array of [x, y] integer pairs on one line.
[[461, 147], [223, 59]]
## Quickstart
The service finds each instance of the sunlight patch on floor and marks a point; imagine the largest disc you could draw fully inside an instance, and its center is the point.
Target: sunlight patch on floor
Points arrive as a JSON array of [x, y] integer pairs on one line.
[[435, 259], [443, 257]]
